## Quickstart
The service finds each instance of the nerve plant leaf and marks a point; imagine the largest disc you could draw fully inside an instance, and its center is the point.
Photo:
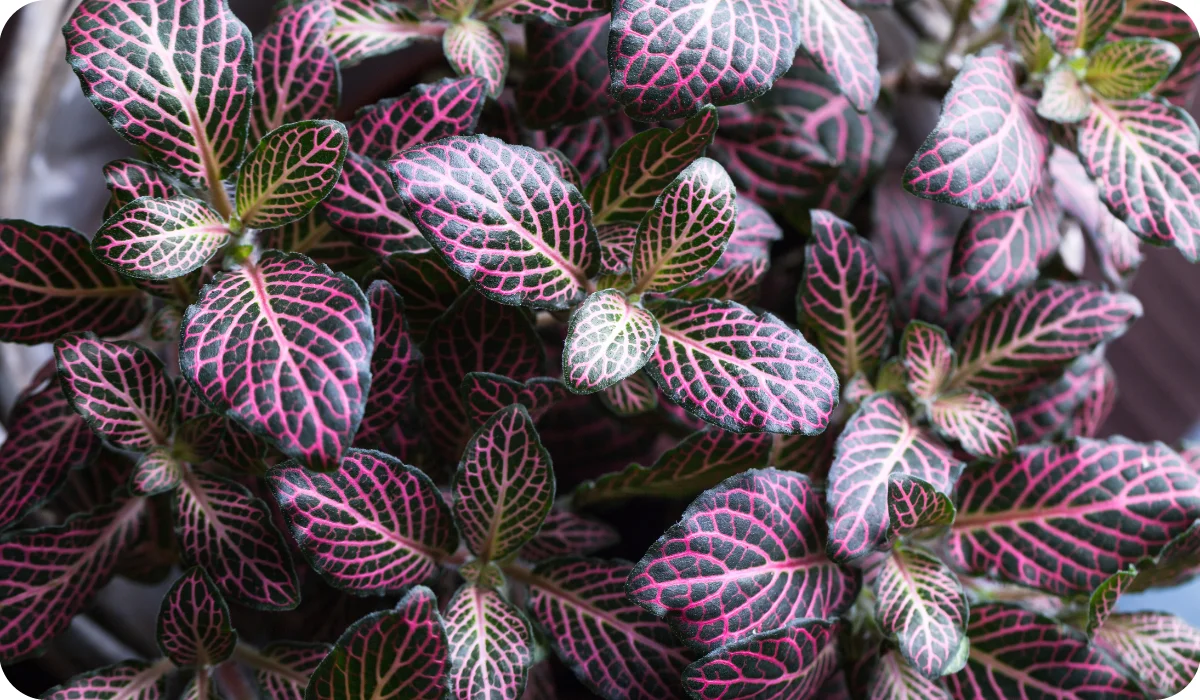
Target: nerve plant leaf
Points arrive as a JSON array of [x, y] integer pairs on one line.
[[1161, 649], [982, 427], [739, 371], [1032, 518], [504, 486], [920, 603], [288, 667], [284, 346], [373, 527], [1047, 411], [364, 205], [171, 76], [502, 218], [998, 252], [890, 677], [161, 238], [561, 12], [844, 297], [120, 389], [194, 628], [582, 607], [127, 680], [928, 359], [669, 59], [989, 149], [490, 645], [366, 28], [565, 533], [399, 653], [395, 366], [914, 504], [476, 49], [289, 172], [1129, 68], [296, 75], [608, 339], [50, 283], [1064, 99], [485, 394], [1076, 24], [128, 179], [158, 471], [746, 557], [428, 112], [567, 79], [793, 661], [427, 286]]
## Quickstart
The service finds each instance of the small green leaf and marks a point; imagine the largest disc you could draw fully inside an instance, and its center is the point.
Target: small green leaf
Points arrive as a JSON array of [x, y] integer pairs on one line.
[[1131, 67], [289, 172]]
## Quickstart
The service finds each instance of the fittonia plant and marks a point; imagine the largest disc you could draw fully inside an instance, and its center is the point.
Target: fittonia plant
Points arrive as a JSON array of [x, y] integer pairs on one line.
[[407, 369]]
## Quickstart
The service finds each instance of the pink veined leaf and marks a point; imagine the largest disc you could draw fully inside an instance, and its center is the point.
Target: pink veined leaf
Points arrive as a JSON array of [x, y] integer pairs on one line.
[[739, 371], [1096, 405], [746, 557], [428, 112], [754, 231], [364, 205], [284, 346], [977, 421], [366, 28], [914, 504], [1076, 24], [128, 179], [289, 172], [616, 247], [1049, 409], [490, 645], [565, 533], [1178, 85], [1040, 519], [1117, 248], [1032, 44], [50, 284], [1018, 653], [395, 366], [920, 603], [1145, 150], [48, 576], [161, 238], [120, 388], [738, 283], [172, 76], [608, 339], [1103, 600], [194, 627], [908, 231], [634, 395], [452, 10], [1131, 67], [1162, 649], [928, 359], [1064, 99], [222, 527], [560, 12], [504, 486], [700, 461], [374, 527], [475, 49], [618, 650], [587, 145], [296, 75], [1155, 19], [1023, 339], [127, 680], [997, 163], [843, 44], [793, 661], [157, 472], [563, 166], [46, 440], [484, 394], [426, 284], [890, 677], [685, 233], [879, 441], [844, 297], [998, 252], [474, 335], [399, 653], [567, 79], [506, 196], [642, 167], [285, 668], [669, 59]]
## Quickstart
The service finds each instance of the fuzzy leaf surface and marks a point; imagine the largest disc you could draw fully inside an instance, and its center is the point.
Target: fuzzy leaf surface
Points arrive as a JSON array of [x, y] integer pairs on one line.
[[194, 627], [366, 28], [914, 504], [161, 238], [473, 48], [565, 533], [608, 339], [490, 645], [289, 172], [977, 421], [793, 661], [920, 603], [428, 112], [364, 205]]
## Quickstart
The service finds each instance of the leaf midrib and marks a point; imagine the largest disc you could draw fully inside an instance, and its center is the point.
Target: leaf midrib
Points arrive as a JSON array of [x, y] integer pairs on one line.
[[1009, 518]]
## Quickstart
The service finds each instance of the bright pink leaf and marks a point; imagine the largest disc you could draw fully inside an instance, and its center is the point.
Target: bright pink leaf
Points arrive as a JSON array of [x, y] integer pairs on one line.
[[793, 661], [1000, 251], [977, 421], [843, 44], [194, 628], [296, 75], [395, 366], [1076, 24]]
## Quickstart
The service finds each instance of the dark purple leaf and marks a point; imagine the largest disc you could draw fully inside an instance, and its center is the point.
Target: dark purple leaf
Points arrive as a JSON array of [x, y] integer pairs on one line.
[[128, 179], [193, 623], [295, 74], [491, 645], [364, 206], [608, 339], [565, 534], [127, 680], [998, 252], [485, 394], [567, 79], [395, 366], [793, 661], [427, 286], [843, 44], [635, 395], [282, 669]]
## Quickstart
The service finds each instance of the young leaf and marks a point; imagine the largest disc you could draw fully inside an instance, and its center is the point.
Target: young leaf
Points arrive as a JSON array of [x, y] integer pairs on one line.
[[193, 623], [50, 284], [428, 112], [879, 441], [222, 527], [517, 231], [427, 286], [668, 60], [157, 472], [560, 12], [485, 394], [398, 653], [1126, 69], [1022, 339], [845, 296], [643, 167], [608, 339], [740, 371], [282, 669], [1076, 24], [1018, 653], [504, 486], [793, 661], [843, 44], [928, 359], [128, 179], [909, 231], [473, 48], [1063, 98], [567, 79], [364, 205], [296, 76], [366, 28], [989, 148], [289, 172], [171, 76], [914, 504], [998, 252], [686, 232], [120, 389], [700, 461], [161, 238], [373, 527], [920, 603], [395, 365], [890, 677], [582, 607], [1033, 519], [127, 680], [746, 557], [490, 645], [1161, 649], [1034, 46], [1103, 600], [565, 533], [977, 421], [284, 346]]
